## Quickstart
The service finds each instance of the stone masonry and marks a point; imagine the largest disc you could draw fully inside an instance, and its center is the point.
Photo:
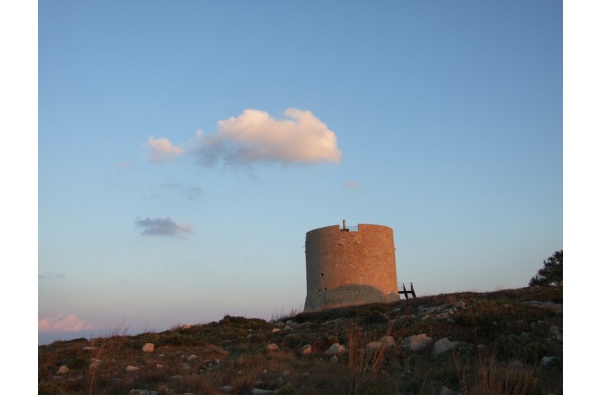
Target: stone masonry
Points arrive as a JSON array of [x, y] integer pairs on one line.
[[346, 267]]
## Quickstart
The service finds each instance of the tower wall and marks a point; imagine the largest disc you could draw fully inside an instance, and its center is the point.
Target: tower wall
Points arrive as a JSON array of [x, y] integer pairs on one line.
[[345, 267]]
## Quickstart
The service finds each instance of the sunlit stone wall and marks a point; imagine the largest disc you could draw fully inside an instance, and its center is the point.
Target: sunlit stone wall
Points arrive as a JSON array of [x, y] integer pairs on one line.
[[350, 267]]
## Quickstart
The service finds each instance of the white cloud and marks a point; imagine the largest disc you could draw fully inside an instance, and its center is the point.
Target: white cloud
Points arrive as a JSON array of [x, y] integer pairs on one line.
[[256, 137], [161, 227], [62, 323], [162, 149]]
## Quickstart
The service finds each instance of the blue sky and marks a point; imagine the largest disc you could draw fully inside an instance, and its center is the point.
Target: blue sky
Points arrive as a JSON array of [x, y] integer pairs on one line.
[[185, 149]]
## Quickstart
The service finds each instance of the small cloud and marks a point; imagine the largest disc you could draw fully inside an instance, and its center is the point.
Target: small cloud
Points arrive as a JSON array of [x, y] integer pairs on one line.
[[161, 227], [162, 149], [62, 323], [192, 193], [122, 165], [51, 275], [256, 137], [351, 184]]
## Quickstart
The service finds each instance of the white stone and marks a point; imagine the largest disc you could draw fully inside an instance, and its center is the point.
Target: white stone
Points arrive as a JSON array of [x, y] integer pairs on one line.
[[148, 347], [272, 347], [556, 333], [131, 368], [95, 364], [443, 345], [417, 342], [62, 370], [448, 391], [388, 341], [336, 349], [186, 326], [306, 349], [547, 361], [334, 359], [192, 357], [373, 346], [275, 330]]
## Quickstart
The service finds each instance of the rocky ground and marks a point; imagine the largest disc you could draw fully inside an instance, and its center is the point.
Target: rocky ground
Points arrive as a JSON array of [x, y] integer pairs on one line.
[[495, 343]]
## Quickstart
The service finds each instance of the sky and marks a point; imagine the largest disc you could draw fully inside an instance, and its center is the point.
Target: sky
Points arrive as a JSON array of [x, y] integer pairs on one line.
[[185, 149]]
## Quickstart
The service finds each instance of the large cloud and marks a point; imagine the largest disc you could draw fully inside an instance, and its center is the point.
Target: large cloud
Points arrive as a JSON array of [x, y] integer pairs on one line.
[[255, 137], [62, 323], [161, 227]]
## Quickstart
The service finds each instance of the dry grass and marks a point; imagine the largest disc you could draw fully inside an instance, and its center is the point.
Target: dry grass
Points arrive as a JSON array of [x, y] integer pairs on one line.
[[501, 342]]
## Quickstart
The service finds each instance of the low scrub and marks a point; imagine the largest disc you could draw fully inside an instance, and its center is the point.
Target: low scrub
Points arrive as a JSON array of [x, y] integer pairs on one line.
[[504, 342]]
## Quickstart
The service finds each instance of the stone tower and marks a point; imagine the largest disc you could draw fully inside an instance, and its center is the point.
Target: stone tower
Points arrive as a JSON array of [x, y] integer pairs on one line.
[[350, 266]]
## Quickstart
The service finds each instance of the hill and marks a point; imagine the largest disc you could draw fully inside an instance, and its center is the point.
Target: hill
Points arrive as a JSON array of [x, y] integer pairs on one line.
[[504, 342]]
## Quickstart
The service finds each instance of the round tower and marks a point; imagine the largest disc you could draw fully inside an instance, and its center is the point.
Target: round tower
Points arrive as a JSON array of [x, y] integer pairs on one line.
[[350, 266]]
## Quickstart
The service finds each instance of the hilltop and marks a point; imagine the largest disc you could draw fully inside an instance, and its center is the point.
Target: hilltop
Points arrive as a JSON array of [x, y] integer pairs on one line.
[[507, 341]]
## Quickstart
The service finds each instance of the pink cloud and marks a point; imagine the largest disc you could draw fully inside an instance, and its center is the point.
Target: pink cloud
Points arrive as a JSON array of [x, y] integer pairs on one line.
[[255, 137], [300, 137], [162, 149], [62, 322]]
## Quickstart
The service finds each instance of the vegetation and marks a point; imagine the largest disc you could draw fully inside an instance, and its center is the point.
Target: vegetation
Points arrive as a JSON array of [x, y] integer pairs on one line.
[[500, 339], [552, 272]]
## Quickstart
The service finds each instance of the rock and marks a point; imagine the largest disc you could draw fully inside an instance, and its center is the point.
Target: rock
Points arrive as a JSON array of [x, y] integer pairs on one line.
[[148, 347], [547, 361], [275, 330], [443, 345], [448, 391], [372, 347], [427, 310], [186, 326], [272, 347], [334, 359], [192, 357], [226, 388], [417, 342], [131, 368], [89, 348], [95, 364], [288, 328], [388, 341], [62, 370], [556, 333], [259, 391], [306, 349], [460, 305], [336, 349]]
